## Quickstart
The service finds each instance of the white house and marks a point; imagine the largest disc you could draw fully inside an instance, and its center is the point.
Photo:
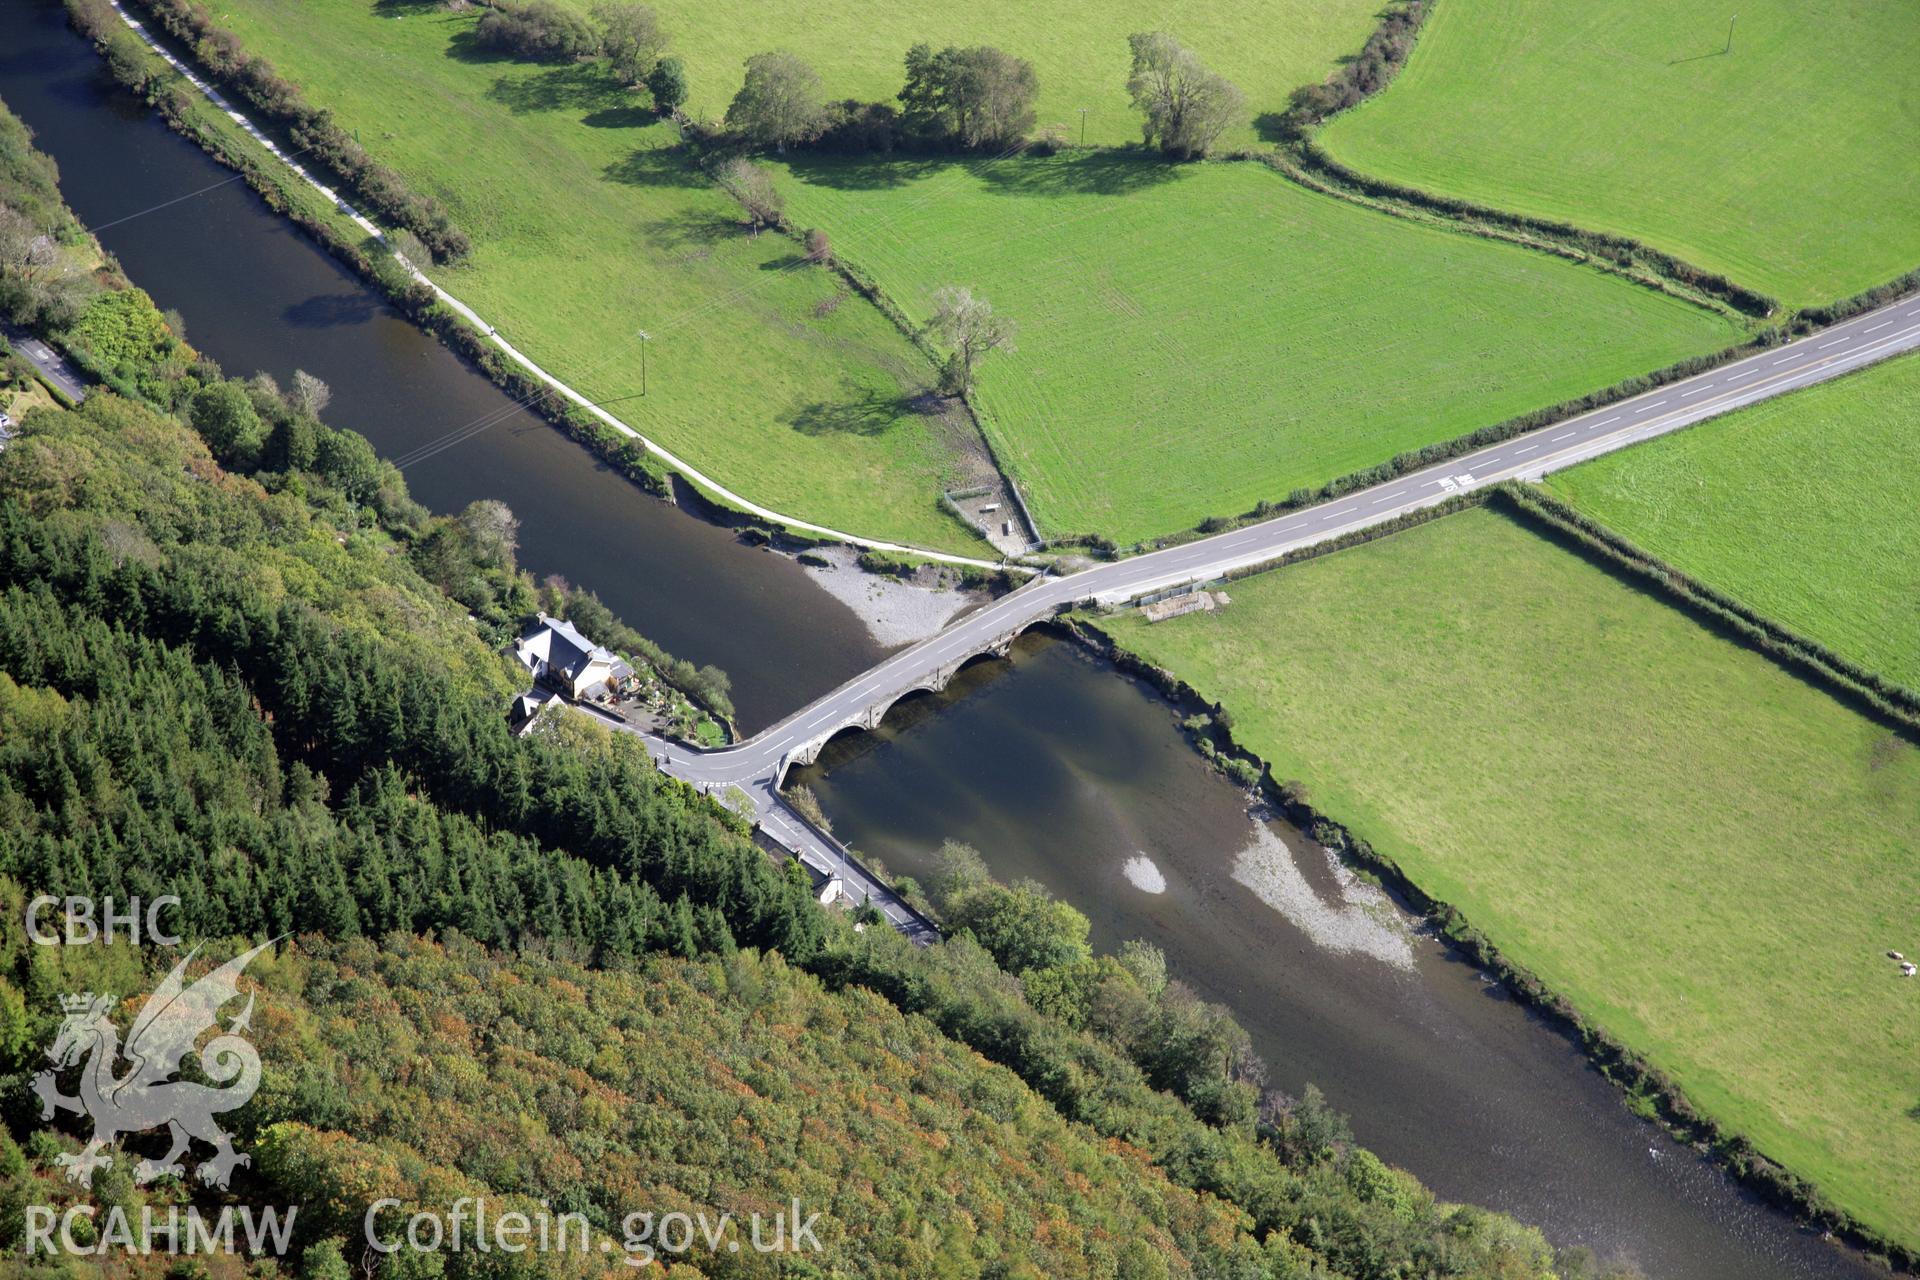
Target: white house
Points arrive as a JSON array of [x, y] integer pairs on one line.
[[563, 659]]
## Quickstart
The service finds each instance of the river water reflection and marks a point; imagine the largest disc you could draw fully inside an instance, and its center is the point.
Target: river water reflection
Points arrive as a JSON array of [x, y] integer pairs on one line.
[[1060, 769]]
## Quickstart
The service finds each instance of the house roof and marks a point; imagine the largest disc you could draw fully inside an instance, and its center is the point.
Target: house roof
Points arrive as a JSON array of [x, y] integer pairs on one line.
[[563, 649]]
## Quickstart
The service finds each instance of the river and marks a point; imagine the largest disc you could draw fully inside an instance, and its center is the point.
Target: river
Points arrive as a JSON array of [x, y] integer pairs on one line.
[[257, 294], [1053, 765], [1060, 769]]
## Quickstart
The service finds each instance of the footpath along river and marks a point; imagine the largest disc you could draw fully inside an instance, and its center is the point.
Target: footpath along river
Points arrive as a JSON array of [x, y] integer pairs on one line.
[[257, 294], [1054, 766]]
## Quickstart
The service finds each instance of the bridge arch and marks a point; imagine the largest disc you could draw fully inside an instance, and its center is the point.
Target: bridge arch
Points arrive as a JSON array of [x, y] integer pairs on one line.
[[869, 718]]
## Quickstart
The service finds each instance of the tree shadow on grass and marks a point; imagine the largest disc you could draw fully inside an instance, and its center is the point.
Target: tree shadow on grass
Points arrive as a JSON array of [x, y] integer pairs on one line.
[[692, 228], [401, 8], [565, 88], [629, 116], [1104, 172], [859, 411], [1276, 126], [865, 173], [1087, 173], [654, 167], [464, 47]]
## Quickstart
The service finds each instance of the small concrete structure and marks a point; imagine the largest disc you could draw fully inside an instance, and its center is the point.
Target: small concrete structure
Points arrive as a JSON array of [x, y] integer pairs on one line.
[[561, 658], [1176, 606]]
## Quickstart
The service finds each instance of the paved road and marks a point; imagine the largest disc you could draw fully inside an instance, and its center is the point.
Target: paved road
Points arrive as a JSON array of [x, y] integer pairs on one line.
[[762, 759], [52, 366], [826, 857]]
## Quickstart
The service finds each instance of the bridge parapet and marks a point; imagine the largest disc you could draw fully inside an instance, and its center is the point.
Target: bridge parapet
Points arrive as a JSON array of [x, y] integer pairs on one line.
[[869, 716]]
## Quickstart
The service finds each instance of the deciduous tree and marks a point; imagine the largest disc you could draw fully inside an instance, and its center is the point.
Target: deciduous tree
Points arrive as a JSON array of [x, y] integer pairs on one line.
[[225, 419], [970, 327], [753, 187], [778, 103], [631, 40], [308, 396], [1186, 107], [539, 30], [976, 97], [668, 85], [494, 532]]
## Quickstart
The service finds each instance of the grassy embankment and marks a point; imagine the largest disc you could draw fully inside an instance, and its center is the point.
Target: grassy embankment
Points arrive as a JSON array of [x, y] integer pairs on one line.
[[1780, 163], [1801, 507], [589, 227], [1079, 50], [1707, 856], [1196, 339]]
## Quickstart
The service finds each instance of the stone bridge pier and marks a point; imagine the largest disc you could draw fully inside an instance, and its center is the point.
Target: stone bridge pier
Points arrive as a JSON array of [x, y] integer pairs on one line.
[[869, 716]]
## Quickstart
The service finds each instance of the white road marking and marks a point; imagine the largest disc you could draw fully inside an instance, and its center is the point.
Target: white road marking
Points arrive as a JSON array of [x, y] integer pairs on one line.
[[1604, 421], [1744, 373], [1529, 449], [1791, 355], [1655, 405], [1883, 324], [1562, 436], [1696, 391], [1386, 497], [1836, 342]]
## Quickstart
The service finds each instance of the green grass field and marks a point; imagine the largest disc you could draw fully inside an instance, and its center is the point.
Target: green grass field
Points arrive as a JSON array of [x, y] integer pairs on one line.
[[588, 230], [1802, 507], [1786, 164], [1079, 49], [1706, 855], [1196, 338]]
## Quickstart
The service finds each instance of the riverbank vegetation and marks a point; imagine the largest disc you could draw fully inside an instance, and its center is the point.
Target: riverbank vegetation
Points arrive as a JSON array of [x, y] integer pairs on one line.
[[1666, 124], [593, 225], [46, 259], [917, 226], [1261, 343], [190, 702], [1500, 717], [242, 686], [1801, 507]]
